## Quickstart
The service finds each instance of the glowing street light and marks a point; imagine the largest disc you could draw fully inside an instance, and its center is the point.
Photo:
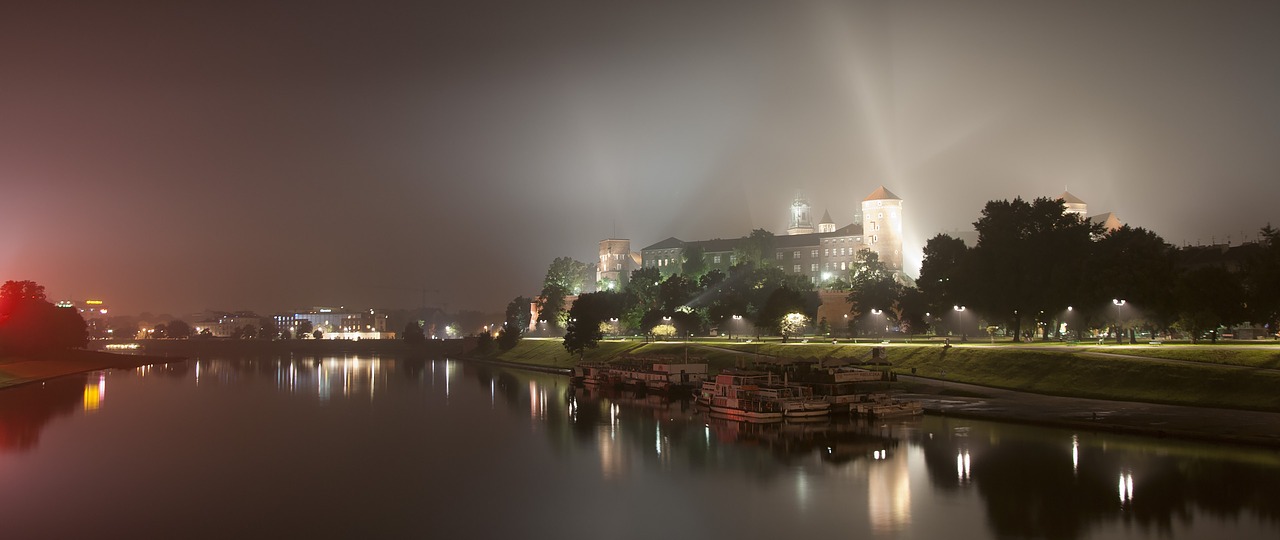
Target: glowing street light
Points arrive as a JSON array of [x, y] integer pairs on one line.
[[1119, 303], [964, 332]]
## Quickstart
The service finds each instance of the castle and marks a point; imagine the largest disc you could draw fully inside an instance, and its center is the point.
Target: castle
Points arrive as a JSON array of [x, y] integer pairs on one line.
[[822, 253]]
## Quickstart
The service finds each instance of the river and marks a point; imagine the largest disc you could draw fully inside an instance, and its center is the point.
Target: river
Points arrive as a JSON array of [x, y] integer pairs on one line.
[[361, 447]]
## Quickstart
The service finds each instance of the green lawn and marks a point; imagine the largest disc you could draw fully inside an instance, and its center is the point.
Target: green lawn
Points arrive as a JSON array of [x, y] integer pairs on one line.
[[1228, 355], [1047, 371]]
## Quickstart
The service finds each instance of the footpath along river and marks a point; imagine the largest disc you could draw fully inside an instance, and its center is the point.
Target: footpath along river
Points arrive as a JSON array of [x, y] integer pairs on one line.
[[368, 447]]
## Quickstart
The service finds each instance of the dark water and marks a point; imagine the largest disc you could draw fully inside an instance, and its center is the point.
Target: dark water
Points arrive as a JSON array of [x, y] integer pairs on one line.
[[363, 448]]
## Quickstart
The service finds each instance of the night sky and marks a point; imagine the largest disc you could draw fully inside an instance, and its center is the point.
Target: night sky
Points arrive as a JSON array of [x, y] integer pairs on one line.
[[180, 156]]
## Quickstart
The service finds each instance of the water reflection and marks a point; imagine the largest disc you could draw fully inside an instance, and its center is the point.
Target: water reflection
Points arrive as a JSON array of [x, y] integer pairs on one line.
[[450, 436]]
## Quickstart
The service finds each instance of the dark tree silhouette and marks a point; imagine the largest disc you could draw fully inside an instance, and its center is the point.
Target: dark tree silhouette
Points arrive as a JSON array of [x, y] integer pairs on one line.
[[413, 332], [29, 324]]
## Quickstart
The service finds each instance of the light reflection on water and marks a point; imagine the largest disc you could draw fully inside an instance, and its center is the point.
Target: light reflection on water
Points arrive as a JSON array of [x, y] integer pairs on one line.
[[409, 447]]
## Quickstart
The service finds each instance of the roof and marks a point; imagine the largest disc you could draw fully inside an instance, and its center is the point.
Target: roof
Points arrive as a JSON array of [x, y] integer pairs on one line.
[[882, 194], [1068, 198], [826, 218], [717, 245], [670, 242]]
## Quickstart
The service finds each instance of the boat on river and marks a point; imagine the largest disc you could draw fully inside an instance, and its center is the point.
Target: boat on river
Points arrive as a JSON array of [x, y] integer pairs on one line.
[[754, 395], [643, 373]]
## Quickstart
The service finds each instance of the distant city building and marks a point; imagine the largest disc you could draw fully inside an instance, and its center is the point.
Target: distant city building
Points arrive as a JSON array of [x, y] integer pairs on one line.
[[338, 323], [821, 256], [223, 324]]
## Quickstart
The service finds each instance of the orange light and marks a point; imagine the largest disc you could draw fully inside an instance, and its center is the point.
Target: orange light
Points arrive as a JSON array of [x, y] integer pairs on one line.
[[93, 302]]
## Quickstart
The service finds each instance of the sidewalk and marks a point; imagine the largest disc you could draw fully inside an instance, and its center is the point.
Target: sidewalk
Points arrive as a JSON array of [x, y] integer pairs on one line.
[[1249, 427]]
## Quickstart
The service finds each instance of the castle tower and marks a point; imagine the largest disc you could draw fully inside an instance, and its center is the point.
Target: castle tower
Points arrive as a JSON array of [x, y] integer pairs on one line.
[[882, 227], [1074, 204], [615, 265], [801, 218], [826, 225]]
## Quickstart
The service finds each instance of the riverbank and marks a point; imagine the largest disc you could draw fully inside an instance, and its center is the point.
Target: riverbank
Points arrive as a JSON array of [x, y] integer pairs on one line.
[[1222, 395], [16, 371]]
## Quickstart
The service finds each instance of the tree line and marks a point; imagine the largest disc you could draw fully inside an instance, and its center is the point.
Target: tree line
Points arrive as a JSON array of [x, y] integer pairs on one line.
[[1037, 268]]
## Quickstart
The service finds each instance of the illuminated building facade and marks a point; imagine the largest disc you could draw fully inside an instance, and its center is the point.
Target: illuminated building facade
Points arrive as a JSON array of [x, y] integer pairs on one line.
[[338, 323], [821, 256], [616, 261]]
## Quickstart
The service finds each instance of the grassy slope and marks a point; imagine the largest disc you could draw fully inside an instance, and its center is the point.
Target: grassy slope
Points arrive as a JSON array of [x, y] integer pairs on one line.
[[1234, 356], [1047, 372]]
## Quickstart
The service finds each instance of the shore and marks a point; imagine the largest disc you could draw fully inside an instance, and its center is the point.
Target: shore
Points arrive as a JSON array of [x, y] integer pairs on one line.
[[18, 371], [1149, 419], [943, 397]]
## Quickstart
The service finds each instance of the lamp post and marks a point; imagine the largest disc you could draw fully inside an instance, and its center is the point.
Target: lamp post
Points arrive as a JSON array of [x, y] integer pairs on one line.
[[878, 312], [964, 332], [1119, 303], [1068, 317]]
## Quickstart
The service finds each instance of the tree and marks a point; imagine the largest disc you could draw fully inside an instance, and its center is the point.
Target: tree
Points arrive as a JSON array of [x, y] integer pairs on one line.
[[317, 333], [1262, 279], [585, 316], [1134, 264], [665, 331], [22, 290], [29, 324], [782, 302], [413, 333], [267, 328], [643, 296], [872, 286], [1029, 257], [757, 249], [1208, 297], [178, 329], [912, 310], [517, 315], [675, 292], [303, 329], [944, 277], [565, 276], [695, 262], [792, 324]]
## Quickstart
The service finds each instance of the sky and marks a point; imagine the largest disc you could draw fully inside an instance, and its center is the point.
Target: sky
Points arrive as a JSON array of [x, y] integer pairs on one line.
[[173, 157]]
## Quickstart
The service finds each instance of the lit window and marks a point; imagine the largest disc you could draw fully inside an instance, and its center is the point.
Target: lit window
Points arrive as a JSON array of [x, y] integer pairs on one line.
[[813, 267], [842, 266], [813, 253], [796, 269], [716, 259], [779, 255], [826, 253], [795, 254]]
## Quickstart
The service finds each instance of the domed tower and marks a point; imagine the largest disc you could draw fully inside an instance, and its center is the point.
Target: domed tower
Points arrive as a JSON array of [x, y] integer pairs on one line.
[[882, 227], [826, 225], [801, 218]]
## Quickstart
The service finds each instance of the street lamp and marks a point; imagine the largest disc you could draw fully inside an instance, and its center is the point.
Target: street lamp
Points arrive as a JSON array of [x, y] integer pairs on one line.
[[875, 311], [1119, 302], [964, 333]]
